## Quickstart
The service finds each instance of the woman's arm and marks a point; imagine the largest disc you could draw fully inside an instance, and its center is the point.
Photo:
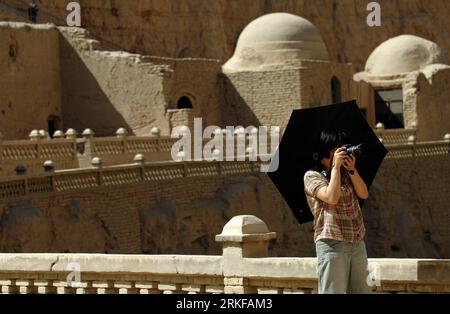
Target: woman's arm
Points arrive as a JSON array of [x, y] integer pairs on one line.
[[332, 192], [358, 183]]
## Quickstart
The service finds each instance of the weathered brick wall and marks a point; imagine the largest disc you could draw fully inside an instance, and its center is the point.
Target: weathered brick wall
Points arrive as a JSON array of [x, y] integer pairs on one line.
[[196, 79], [261, 98], [426, 98], [316, 82]]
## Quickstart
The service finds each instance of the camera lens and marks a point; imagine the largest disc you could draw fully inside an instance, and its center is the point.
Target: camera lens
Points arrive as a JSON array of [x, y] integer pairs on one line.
[[355, 150]]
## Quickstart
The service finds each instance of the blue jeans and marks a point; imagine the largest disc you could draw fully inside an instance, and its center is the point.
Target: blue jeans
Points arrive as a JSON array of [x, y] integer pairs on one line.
[[342, 267]]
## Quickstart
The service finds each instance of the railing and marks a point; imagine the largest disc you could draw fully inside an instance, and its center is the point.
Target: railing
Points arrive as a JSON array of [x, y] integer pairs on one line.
[[33, 153], [394, 136], [73, 153], [80, 179], [41, 149], [244, 267], [418, 149]]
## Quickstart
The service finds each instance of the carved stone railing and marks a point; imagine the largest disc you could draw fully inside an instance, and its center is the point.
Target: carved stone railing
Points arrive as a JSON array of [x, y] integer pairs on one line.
[[80, 179], [244, 267], [394, 136], [419, 149], [33, 153], [114, 151], [74, 152]]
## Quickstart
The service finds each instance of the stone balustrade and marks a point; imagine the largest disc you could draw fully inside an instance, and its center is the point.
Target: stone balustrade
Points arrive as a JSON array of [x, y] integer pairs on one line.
[[33, 153], [412, 148], [393, 136], [107, 176], [72, 152], [244, 267]]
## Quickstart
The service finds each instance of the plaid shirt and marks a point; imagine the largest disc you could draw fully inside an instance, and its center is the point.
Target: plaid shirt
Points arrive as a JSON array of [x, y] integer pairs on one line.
[[342, 221]]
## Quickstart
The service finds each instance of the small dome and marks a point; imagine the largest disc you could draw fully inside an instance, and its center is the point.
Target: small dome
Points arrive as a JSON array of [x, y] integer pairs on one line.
[[276, 38], [403, 54]]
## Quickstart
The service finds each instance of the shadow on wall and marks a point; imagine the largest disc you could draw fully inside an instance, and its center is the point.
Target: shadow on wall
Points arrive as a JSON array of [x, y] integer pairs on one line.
[[84, 104], [235, 110]]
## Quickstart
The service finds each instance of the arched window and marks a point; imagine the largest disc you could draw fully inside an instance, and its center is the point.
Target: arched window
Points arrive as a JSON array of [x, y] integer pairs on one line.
[[335, 90], [184, 103]]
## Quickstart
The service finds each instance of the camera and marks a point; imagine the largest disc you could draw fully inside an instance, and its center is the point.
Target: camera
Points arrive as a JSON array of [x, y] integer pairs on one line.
[[355, 150]]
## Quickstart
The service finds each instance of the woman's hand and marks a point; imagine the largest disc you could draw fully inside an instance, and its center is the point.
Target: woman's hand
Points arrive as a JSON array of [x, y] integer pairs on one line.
[[339, 157], [350, 163]]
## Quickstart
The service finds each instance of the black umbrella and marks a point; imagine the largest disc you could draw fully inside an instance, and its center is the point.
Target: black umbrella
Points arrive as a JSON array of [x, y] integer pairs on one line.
[[299, 143]]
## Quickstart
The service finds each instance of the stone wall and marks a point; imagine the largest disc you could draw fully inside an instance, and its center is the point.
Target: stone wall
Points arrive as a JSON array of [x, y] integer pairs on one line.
[[196, 79], [30, 90], [107, 90], [268, 97], [407, 211], [316, 82], [426, 96], [210, 29], [111, 89], [406, 214], [261, 98]]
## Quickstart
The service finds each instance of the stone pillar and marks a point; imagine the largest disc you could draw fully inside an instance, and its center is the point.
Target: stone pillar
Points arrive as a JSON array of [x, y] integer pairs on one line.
[[49, 166], [34, 135], [58, 134], [122, 133], [139, 159], [97, 162], [412, 143], [88, 134], [71, 134], [244, 236], [447, 137]]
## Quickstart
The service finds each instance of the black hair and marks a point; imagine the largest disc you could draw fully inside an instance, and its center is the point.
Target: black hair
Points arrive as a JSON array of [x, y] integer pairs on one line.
[[329, 139]]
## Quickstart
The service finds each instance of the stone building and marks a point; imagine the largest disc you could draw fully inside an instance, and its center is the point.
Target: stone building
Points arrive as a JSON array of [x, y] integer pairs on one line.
[[410, 76], [281, 63]]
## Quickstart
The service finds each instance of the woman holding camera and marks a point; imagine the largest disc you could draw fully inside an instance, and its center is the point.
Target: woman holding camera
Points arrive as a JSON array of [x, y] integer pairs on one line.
[[332, 190]]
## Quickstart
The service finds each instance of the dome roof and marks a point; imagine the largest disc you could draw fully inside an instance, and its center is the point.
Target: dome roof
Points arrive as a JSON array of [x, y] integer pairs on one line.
[[277, 38], [403, 54]]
